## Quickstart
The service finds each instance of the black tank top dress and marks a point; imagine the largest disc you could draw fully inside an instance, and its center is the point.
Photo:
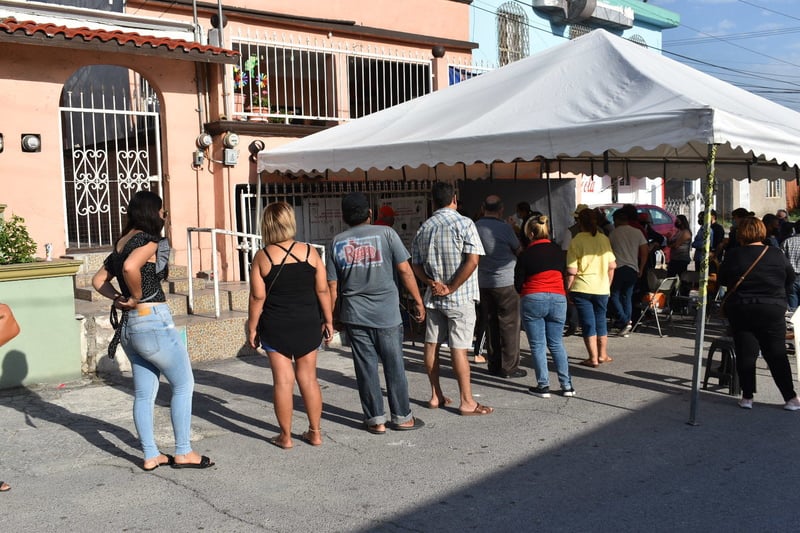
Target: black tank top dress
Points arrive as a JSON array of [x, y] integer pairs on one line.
[[291, 320]]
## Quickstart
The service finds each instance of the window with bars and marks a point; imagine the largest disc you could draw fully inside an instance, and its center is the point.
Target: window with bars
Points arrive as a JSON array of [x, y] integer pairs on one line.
[[293, 83], [512, 33], [638, 39], [576, 30], [379, 83], [773, 189], [284, 84]]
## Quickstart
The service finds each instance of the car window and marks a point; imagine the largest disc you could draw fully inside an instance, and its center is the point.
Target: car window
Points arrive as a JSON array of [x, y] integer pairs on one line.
[[659, 217]]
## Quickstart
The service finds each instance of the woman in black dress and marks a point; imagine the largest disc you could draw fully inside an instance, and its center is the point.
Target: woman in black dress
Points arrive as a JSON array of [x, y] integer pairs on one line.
[[289, 312]]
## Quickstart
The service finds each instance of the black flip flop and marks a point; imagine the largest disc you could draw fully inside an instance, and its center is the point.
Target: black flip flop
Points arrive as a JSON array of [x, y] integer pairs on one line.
[[374, 430], [170, 462], [416, 425], [205, 462]]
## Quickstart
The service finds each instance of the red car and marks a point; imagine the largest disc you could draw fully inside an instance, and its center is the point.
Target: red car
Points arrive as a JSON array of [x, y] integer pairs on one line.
[[663, 221]]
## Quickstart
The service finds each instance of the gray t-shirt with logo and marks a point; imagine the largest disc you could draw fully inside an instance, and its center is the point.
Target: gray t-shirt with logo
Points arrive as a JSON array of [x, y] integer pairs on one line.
[[362, 261]]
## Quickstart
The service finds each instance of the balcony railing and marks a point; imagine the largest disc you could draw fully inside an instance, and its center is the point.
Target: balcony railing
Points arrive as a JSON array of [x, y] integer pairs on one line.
[[291, 81]]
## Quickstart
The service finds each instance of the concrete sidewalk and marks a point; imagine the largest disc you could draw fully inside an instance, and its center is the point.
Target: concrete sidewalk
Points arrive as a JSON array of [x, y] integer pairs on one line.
[[618, 457]]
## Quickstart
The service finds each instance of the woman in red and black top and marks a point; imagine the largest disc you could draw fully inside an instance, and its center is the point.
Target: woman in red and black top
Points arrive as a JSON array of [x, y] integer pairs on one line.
[[539, 279]]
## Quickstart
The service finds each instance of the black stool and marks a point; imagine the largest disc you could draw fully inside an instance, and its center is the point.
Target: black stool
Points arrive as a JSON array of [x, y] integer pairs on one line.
[[727, 368]]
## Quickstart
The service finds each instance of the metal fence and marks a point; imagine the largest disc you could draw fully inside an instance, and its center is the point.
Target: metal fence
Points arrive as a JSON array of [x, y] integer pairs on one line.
[[111, 139], [294, 81]]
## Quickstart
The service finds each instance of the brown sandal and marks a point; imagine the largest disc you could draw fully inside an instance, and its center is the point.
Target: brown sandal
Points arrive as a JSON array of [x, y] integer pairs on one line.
[[306, 437]]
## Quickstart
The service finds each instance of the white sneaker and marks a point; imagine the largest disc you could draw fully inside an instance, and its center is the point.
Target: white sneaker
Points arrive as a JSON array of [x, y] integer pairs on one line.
[[626, 331], [793, 404], [747, 403]]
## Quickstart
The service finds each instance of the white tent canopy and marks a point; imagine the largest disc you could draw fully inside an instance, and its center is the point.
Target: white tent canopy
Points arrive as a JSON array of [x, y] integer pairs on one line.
[[569, 103], [599, 96]]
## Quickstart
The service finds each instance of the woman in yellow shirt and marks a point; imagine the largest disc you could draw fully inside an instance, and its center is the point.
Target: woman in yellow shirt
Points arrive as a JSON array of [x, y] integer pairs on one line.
[[590, 270]]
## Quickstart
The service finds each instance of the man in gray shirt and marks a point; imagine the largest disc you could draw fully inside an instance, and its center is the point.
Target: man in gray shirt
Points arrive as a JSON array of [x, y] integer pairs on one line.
[[499, 300], [361, 270]]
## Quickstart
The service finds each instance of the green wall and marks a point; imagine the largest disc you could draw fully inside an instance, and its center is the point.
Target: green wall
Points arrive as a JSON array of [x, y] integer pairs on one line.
[[47, 349]]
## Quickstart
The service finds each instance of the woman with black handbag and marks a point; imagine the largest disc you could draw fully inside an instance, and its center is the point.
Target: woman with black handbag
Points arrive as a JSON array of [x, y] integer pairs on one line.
[[289, 313], [758, 278]]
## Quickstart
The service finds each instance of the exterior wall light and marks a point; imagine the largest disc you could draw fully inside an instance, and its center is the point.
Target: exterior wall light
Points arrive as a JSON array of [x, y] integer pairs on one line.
[[31, 142], [438, 51], [1, 143]]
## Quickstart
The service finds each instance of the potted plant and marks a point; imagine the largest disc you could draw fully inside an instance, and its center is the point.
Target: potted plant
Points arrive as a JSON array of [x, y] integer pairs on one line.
[[259, 98], [41, 294], [240, 82]]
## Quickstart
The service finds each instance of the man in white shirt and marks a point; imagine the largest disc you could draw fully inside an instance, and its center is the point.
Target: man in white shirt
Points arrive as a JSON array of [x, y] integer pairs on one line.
[[630, 248]]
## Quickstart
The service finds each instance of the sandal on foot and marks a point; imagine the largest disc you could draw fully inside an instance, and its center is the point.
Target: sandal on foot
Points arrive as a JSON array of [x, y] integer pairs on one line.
[[479, 410], [374, 429], [275, 441], [205, 462], [606, 360], [416, 424], [4, 487], [170, 462], [306, 437], [589, 363], [447, 401]]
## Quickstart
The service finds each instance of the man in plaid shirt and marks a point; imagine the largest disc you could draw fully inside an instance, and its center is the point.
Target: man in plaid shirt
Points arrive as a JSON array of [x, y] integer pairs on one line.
[[791, 247], [445, 255]]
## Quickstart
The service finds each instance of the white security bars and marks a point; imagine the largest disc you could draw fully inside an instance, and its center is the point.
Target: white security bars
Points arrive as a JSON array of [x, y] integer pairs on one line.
[[289, 81]]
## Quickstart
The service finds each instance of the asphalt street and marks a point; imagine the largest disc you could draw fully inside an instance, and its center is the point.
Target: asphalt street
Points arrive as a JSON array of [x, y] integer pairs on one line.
[[619, 456]]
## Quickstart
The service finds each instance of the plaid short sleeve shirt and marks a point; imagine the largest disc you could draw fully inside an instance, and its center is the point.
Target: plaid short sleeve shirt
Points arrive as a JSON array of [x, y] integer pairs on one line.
[[439, 246]]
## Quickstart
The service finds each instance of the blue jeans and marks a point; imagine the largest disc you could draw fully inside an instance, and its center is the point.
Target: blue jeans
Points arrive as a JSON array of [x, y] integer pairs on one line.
[[543, 317], [621, 300], [794, 294], [153, 346], [370, 345], [591, 313]]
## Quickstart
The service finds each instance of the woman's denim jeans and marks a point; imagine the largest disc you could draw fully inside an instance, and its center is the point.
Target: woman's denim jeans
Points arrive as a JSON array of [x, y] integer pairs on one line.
[[370, 345], [592, 313], [153, 346], [543, 317]]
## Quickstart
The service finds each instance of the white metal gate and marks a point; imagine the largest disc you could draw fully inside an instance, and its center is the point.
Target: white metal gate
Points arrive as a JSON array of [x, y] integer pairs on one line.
[[111, 149]]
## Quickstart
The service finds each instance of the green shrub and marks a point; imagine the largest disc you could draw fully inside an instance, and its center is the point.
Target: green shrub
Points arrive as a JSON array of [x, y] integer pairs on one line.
[[16, 244]]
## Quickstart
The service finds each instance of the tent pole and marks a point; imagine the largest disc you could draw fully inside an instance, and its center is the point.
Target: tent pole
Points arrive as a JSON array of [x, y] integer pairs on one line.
[[549, 200], [699, 338]]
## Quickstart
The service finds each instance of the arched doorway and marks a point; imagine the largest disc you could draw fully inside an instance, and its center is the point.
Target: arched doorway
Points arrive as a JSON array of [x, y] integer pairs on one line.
[[111, 139]]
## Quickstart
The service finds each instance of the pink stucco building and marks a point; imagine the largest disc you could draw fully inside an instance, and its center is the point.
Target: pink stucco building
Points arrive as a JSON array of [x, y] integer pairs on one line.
[[97, 104]]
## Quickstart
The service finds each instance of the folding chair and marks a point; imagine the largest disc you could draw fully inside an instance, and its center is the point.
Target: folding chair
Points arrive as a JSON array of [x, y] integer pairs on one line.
[[658, 301], [681, 297]]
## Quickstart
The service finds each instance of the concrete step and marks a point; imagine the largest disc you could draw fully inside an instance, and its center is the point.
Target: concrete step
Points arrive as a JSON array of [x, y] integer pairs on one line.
[[233, 296], [92, 261], [209, 339], [206, 339], [181, 284]]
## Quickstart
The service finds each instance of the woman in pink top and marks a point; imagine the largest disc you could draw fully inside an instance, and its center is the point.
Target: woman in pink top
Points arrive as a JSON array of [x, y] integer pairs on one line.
[[539, 279]]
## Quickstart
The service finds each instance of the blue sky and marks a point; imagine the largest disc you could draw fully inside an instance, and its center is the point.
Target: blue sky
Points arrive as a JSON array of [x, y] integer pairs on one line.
[[754, 44]]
